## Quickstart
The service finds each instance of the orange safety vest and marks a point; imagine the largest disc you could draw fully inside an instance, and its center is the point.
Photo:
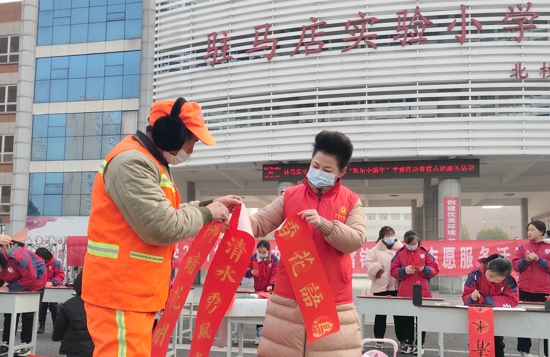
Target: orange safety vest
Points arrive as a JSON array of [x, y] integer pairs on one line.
[[121, 271]]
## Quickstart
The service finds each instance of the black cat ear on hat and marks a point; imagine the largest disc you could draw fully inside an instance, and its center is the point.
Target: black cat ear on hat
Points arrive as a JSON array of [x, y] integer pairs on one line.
[[169, 132]]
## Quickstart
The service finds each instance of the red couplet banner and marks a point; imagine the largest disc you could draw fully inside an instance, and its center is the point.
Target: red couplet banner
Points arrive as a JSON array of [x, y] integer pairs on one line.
[[481, 328], [455, 258]]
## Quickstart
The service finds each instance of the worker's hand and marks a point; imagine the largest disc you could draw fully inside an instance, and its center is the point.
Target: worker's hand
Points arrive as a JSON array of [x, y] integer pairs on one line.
[[475, 295], [49, 284], [229, 201], [531, 257], [219, 211], [5, 239], [311, 216], [269, 288], [420, 268], [4, 289], [410, 270]]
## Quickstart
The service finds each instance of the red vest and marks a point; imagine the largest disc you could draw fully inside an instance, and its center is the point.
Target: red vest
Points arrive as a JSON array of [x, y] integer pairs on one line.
[[121, 271], [334, 205]]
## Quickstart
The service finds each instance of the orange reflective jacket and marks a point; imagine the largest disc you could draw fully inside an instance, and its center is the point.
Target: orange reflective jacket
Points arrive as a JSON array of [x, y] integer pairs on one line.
[[122, 271]]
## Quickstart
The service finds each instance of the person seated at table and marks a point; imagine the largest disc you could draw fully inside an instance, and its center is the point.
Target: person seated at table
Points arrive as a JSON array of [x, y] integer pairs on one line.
[[531, 262], [491, 284], [263, 267], [21, 270], [56, 276], [413, 264], [383, 284], [70, 326]]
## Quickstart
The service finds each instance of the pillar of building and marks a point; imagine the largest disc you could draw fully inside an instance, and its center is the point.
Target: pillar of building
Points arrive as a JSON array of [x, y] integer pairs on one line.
[[429, 211], [147, 62], [448, 187], [283, 185], [23, 119], [417, 218], [524, 216]]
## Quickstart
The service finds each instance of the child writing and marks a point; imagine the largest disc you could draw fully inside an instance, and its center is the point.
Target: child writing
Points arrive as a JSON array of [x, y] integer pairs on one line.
[[56, 276], [263, 267], [491, 284], [412, 264]]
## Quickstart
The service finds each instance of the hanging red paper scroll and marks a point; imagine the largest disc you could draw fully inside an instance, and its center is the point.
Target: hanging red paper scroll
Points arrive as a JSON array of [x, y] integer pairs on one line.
[[223, 279], [307, 278], [191, 264], [481, 331]]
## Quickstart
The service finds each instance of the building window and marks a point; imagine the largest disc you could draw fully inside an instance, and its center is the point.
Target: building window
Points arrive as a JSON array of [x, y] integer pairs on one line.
[[406, 216], [9, 49], [77, 136], [8, 98], [5, 200], [77, 21], [100, 76], [395, 216], [383, 216], [371, 217], [60, 193], [7, 148]]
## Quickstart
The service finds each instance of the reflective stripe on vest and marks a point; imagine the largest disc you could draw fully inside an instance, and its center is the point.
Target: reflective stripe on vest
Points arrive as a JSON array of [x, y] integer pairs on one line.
[[147, 257], [165, 182], [103, 249], [102, 167]]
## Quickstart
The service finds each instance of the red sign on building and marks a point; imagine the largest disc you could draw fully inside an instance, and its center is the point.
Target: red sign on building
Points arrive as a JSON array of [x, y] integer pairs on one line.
[[451, 218]]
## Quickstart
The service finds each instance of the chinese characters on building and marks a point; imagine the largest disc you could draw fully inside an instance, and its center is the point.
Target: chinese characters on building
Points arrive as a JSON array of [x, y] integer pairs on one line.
[[451, 218], [411, 28]]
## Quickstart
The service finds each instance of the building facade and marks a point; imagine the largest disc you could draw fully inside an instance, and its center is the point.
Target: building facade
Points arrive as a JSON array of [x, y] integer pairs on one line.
[[10, 29]]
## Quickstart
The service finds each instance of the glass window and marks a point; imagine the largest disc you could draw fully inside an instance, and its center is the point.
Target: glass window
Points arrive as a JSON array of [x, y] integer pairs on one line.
[[36, 201], [96, 65], [42, 92], [132, 62], [133, 11], [9, 49], [7, 148], [73, 148], [92, 148], [132, 29], [77, 66], [45, 35], [77, 89], [371, 216], [58, 90], [45, 18], [115, 30], [94, 88], [108, 143], [80, 3], [113, 87], [383, 216], [407, 216], [60, 62], [79, 16], [97, 32], [37, 182], [43, 68], [72, 181], [98, 14], [130, 87], [395, 216], [8, 99], [79, 33], [71, 205], [52, 205], [61, 34], [61, 4], [38, 151], [5, 198], [55, 149], [45, 5], [75, 124]]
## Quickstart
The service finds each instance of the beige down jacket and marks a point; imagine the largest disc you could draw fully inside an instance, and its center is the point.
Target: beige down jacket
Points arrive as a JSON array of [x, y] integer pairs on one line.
[[378, 258], [284, 333]]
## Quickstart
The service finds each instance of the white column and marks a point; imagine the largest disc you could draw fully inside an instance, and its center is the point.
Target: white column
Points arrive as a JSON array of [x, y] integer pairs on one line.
[[147, 63], [23, 120]]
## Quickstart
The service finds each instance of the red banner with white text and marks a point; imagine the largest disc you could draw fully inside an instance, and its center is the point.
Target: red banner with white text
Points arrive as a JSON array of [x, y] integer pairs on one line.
[[455, 258]]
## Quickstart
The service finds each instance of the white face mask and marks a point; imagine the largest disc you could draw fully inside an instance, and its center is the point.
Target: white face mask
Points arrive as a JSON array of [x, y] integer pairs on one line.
[[180, 158]]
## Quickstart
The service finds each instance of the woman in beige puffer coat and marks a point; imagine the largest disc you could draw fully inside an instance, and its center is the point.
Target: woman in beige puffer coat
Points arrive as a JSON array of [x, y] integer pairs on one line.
[[383, 284]]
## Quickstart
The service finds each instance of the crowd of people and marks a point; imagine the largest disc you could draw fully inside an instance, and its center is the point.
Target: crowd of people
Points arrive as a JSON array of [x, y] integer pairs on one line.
[[137, 218]]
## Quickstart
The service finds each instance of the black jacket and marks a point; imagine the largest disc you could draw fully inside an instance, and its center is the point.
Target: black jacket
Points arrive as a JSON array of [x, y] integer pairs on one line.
[[70, 326]]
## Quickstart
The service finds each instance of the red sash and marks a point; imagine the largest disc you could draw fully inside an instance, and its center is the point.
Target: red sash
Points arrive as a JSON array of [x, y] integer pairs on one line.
[[307, 278], [481, 331], [191, 264], [224, 276]]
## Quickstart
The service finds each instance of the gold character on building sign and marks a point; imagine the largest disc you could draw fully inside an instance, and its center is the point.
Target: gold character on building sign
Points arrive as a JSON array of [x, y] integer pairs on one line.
[[226, 274], [300, 261], [235, 248], [311, 295]]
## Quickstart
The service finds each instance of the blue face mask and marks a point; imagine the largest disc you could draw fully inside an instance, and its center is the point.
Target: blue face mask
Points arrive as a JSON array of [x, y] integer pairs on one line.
[[411, 248], [389, 240], [320, 179]]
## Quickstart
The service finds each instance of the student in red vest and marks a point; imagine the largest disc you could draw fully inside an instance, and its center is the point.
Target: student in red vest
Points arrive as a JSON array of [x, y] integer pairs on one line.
[[413, 264], [531, 262], [263, 267], [492, 284], [56, 276], [337, 224]]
